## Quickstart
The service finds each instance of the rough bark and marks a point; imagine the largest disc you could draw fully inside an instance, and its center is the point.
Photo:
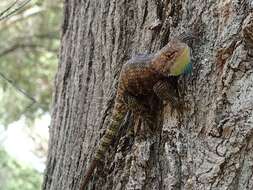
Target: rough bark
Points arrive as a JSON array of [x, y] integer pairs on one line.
[[209, 147]]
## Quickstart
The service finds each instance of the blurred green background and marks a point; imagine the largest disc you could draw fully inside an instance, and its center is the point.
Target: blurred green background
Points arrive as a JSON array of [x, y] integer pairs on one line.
[[28, 61]]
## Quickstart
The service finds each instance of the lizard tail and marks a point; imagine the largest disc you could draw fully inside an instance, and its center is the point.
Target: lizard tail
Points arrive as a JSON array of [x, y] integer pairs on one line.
[[88, 174], [118, 114]]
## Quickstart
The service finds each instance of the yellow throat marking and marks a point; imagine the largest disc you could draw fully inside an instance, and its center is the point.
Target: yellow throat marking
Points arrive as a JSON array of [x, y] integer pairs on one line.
[[181, 62]]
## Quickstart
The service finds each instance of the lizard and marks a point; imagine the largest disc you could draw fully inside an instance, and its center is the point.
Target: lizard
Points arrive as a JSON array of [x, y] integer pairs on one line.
[[142, 76]]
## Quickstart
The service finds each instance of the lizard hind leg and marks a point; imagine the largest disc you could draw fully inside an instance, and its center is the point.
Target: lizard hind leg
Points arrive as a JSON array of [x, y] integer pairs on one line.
[[142, 114], [135, 104]]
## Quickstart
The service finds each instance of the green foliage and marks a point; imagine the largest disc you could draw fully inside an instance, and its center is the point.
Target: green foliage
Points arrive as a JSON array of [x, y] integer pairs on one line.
[[28, 57], [16, 176]]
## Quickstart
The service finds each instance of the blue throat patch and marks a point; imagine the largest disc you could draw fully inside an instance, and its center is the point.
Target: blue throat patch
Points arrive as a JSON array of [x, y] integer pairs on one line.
[[188, 69]]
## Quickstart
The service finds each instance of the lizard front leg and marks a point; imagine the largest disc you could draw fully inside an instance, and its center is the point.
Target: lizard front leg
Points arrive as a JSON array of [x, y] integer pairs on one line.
[[168, 92]]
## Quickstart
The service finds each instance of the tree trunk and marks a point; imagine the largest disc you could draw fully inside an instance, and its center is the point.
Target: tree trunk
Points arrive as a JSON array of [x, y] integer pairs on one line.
[[208, 147]]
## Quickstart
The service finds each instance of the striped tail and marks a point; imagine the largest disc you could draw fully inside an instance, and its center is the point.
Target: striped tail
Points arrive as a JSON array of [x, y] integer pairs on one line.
[[88, 174], [118, 115], [119, 112]]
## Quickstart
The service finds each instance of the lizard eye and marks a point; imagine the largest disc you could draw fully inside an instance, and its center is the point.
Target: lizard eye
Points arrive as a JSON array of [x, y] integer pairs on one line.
[[171, 55]]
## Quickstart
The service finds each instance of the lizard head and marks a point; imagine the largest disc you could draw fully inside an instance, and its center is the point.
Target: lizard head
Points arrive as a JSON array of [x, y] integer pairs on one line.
[[173, 59]]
